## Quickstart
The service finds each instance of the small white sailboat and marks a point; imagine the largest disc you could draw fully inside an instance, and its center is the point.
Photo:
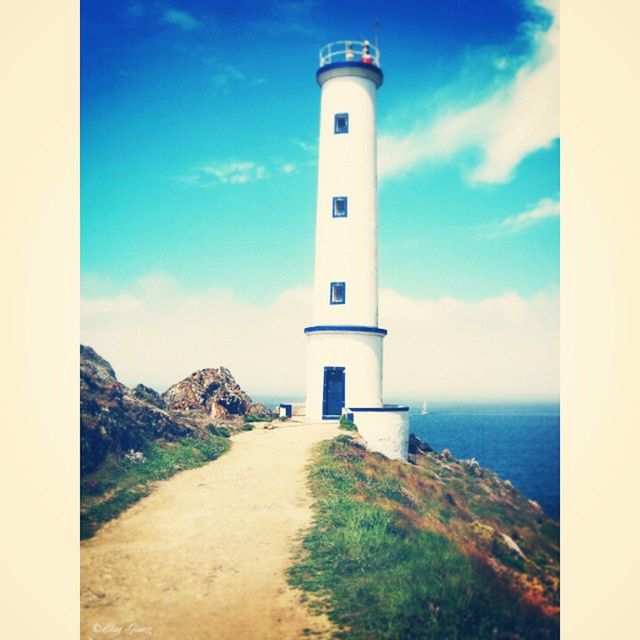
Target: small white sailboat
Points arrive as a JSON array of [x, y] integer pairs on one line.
[[424, 411]]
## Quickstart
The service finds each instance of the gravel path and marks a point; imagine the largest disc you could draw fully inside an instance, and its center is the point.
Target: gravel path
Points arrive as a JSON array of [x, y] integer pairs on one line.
[[204, 556]]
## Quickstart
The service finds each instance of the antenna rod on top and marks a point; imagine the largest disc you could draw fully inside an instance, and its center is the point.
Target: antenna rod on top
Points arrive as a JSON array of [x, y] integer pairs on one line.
[[376, 26]]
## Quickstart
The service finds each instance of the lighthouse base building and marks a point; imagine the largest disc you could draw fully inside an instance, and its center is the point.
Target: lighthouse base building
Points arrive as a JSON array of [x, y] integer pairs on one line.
[[345, 343]]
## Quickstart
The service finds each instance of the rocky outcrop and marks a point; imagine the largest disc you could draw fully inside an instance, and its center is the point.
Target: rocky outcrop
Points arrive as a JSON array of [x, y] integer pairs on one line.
[[213, 392], [148, 394], [259, 410], [116, 418]]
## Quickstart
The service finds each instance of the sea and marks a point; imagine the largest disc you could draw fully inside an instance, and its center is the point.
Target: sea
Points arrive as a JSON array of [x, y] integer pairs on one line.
[[520, 442]]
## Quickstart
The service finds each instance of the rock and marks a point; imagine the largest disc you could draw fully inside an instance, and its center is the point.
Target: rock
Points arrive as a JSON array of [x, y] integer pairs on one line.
[[512, 545], [445, 454], [416, 445], [112, 417], [535, 505], [149, 395], [472, 467], [213, 392], [260, 410]]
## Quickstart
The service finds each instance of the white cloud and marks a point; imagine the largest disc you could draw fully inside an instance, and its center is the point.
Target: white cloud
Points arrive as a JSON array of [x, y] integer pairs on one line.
[[305, 146], [503, 347], [226, 75], [543, 209], [514, 121], [233, 172], [292, 17], [181, 19]]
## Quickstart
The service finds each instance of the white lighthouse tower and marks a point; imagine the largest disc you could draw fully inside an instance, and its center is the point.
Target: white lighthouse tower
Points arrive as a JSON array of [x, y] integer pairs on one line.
[[344, 368]]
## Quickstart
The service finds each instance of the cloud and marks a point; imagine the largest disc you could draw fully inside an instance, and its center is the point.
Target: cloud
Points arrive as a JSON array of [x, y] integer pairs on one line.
[[515, 120], [135, 9], [156, 333], [291, 17], [227, 75], [233, 172], [543, 209], [181, 19]]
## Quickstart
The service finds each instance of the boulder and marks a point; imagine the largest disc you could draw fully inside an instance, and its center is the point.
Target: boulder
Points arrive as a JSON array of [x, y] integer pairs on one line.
[[416, 445], [150, 395], [213, 392]]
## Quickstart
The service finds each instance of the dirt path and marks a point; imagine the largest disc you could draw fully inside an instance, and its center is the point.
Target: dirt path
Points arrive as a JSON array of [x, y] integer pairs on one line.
[[204, 556]]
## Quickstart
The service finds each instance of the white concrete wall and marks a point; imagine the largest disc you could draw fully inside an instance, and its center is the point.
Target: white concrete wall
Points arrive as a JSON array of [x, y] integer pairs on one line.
[[346, 248], [361, 356], [386, 432]]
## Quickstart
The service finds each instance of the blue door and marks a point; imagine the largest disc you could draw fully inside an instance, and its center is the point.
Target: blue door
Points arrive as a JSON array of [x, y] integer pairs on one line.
[[333, 392]]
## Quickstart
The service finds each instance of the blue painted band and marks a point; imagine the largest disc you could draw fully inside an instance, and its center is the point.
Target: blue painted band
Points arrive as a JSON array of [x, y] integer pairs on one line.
[[385, 408], [346, 328], [363, 69]]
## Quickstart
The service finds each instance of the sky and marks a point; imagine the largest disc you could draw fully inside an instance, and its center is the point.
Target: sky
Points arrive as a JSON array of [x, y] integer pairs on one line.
[[199, 131]]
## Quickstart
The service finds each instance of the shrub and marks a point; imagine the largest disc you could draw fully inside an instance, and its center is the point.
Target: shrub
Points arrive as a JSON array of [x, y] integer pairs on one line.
[[252, 418]]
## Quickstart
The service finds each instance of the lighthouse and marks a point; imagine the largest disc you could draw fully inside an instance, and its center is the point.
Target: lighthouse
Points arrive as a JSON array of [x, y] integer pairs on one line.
[[345, 342]]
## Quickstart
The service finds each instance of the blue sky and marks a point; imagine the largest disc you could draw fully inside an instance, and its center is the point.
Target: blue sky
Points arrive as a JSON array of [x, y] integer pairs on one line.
[[199, 128]]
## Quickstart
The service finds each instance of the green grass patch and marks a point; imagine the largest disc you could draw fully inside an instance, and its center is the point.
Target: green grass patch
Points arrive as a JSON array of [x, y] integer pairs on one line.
[[223, 432], [380, 576], [252, 418], [122, 480], [347, 424]]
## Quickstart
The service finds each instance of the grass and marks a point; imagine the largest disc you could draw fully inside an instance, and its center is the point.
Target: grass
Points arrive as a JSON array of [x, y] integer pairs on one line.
[[121, 481], [347, 424], [376, 567], [223, 432], [252, 418]]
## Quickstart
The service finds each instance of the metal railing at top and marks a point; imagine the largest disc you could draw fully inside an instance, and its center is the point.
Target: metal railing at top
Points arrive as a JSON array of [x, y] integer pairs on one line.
[[350, 51]]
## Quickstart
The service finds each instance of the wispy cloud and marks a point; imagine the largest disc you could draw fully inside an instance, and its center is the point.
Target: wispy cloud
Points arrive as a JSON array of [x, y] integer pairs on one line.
[[505, 346], [305, 146], [288, 167], [181, 19], [135, 9], [291, 17], [234, 172], [543, 209], [226, 75], [512, 122]]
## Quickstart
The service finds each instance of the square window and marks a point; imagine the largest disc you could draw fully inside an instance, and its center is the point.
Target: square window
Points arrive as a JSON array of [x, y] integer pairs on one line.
[[338, 293], [341, 123], [340, 207]]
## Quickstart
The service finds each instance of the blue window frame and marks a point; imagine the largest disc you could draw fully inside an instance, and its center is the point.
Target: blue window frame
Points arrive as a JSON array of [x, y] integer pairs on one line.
[[338, 293], [339, 207], [341, 123]]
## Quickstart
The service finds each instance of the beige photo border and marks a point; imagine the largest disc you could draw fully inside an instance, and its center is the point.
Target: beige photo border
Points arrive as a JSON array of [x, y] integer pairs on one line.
[[600, 319]]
